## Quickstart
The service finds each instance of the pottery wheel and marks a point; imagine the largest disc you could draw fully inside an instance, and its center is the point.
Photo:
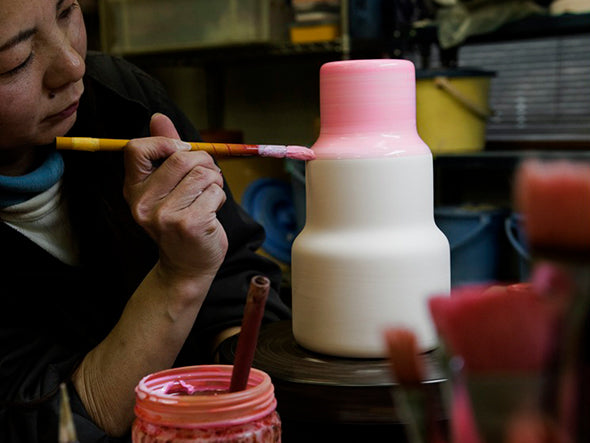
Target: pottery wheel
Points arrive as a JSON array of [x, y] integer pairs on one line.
[[311, 386], [278, 354]]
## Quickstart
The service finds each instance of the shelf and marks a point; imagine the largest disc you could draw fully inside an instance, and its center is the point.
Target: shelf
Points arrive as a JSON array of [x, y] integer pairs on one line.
[[534, 26], [486, 177], [505, 161], [238, 53], [531, 27]]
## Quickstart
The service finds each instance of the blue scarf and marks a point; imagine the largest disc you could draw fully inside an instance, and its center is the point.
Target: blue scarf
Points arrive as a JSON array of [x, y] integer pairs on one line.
[[21, 188]]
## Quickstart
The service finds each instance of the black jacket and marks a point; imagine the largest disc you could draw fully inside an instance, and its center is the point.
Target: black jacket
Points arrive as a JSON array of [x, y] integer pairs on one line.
[[53, 313]]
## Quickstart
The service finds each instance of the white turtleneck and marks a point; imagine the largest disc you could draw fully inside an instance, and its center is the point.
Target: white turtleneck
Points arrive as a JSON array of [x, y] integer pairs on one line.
[[43, 219]]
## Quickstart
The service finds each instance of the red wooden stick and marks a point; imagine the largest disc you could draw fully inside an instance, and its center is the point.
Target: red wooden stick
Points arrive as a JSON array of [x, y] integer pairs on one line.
[[253, 312]]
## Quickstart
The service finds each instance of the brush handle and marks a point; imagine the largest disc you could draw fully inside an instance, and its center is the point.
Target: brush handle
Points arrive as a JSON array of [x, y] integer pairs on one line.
[[109, 144], [246, 347], [66, 430]]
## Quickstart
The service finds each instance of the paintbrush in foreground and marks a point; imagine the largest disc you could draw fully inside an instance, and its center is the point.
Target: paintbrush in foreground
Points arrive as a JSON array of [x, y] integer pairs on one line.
[[505, 338], [554, 199], [67, 432], [215, 149], [246, 347], [414, 400]]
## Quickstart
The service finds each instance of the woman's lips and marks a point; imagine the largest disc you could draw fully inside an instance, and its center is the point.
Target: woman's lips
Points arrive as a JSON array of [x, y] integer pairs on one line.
[[67, 112]]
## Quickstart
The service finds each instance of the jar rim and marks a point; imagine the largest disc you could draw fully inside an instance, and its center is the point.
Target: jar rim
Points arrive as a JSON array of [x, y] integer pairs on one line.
[[155, 404]]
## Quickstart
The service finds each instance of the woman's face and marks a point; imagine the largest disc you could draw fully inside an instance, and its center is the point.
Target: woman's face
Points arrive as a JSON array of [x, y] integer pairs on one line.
[[42, 51]]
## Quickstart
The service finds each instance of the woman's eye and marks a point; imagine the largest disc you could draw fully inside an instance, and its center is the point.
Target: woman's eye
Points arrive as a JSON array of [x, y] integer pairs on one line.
[[68, 11], [18, 68]]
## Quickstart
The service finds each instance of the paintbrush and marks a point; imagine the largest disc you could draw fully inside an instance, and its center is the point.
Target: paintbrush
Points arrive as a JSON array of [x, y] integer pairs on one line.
[[505, 338], [554, 199], [67, 431], [215, 149], [246, 347], [414, 400], [463, 428]]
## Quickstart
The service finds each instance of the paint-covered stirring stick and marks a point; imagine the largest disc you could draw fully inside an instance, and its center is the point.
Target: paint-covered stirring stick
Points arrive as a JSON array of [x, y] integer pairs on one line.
[[67, 432], [253, 312], [215, 149]]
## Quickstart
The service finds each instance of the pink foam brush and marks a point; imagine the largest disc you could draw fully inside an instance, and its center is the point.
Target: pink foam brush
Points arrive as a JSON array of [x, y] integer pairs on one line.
[[554, 199], [504, 338], [495, 330]]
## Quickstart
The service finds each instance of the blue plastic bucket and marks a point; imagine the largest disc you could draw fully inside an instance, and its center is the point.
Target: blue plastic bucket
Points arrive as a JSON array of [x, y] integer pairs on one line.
[[296, 169], [474, 236], [269, 201], [513, 225]]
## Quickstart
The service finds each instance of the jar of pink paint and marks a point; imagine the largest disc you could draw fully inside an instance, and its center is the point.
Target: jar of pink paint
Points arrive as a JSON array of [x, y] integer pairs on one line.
[[193, 404]]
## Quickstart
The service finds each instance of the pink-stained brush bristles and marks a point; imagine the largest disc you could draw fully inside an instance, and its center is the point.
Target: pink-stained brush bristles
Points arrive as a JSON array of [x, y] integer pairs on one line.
[[415, 401], [501, 339], [290, 151], [497, 330], [404, 356], [554, 198]]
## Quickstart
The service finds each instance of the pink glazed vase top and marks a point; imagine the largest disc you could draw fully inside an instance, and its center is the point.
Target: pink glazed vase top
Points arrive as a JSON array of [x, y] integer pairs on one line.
[[369, 104], [193, 404]]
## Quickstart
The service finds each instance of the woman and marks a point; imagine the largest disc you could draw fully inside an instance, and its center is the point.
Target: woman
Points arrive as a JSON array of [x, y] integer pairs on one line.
[[108, 273]]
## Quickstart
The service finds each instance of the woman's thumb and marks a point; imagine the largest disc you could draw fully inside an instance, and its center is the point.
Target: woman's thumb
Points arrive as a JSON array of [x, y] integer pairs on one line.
[[161, 125]]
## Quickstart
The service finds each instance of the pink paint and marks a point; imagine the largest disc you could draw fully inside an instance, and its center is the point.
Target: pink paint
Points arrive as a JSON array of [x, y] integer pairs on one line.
[[364, 111], [291, 151], [300, 153], [179, 387], [193, 404]]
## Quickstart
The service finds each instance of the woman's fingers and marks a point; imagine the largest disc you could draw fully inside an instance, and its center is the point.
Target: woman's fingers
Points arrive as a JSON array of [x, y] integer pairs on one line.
[[196, 170], [198, 179], [174, 194], [161, 125], [143, 156]]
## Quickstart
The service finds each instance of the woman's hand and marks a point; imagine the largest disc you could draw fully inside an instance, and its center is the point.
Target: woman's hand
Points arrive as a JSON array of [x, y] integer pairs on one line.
[[176, 201]]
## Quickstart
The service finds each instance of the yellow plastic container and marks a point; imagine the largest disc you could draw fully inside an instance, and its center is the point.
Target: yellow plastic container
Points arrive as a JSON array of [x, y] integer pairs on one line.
[[452, 109], [325, 32]]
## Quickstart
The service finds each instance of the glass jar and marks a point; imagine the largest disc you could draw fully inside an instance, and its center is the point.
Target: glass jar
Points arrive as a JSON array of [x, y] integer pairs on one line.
[[193, 404]]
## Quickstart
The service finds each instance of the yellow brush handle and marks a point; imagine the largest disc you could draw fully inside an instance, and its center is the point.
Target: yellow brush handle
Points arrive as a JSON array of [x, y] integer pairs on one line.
[[109, 144], [90, 144]]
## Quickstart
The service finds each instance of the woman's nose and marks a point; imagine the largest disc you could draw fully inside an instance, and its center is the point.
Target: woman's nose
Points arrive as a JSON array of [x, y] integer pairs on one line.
[[66, 66]]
